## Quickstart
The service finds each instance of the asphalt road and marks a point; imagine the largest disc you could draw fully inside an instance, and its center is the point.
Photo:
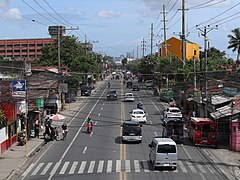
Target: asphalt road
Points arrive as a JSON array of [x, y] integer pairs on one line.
[[101, 155]]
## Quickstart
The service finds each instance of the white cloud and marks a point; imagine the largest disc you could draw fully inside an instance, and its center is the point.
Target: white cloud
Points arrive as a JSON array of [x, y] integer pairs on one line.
[[12, 14], [4, 3], [108, 14]]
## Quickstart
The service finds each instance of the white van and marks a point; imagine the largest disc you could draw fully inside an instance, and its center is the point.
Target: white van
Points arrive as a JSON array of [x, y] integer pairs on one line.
[[149, 83], [163, 153]]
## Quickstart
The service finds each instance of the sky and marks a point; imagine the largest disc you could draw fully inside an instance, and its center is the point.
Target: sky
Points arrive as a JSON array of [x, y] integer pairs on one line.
[[116, 27]]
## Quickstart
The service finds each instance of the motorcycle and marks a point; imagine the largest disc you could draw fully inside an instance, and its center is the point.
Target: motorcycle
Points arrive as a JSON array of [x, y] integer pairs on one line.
[[21, 139], [89, 127], [64, 134]]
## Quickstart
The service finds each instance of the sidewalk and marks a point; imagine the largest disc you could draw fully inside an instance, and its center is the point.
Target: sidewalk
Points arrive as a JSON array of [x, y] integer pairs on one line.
[[16, 156]]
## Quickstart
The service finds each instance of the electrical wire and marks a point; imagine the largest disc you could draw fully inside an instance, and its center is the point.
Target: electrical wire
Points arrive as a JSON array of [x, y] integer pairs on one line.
[[217, 15], [210, 5], [38, 12], [200, 5], [172, 7], [47, 12]]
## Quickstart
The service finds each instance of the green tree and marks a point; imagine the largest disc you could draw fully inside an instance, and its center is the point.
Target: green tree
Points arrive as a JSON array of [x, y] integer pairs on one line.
[[3, 121], [124, 61], [234, 42]]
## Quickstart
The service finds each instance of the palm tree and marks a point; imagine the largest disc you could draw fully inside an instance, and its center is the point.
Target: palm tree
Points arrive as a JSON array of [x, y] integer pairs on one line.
[[234, 42]]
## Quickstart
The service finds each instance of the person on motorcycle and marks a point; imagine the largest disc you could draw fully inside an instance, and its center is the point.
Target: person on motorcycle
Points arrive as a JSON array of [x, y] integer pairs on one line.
[[89, 124], [64, 130], [140, 105], [109, 84]]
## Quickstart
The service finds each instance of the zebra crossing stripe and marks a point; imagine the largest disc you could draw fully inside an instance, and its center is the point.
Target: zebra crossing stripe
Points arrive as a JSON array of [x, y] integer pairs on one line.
[[191, 167], [37, 169], [210, 169], [201, 168], [145, 166], [46, 168], [64, 168], [136, 166], [127, 166], [100, 166], [74, 166], [82, 167], [118, 166], [91, 167], [55, 168], [109, 166], [184, 170]]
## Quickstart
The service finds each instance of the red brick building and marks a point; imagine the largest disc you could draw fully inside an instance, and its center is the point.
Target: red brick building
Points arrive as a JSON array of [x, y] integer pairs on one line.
[[23, 49]]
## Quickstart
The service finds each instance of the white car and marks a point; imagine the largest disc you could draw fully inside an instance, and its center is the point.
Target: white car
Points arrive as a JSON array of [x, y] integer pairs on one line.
[[138, 115], [129, 97], [172, 112]]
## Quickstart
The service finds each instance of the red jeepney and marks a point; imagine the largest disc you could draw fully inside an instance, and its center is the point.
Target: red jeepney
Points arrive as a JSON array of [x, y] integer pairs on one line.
[[202, 131]]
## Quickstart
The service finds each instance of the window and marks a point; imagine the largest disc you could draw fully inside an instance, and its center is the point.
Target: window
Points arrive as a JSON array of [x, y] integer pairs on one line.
[[194, 52], [24, 45], [166, 148], [24, 50], [16, 50], [32, 50], [9, 45], [16, 45], [9, 51]]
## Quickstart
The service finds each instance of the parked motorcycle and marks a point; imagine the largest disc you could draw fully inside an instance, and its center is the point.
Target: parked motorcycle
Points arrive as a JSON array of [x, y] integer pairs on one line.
[[22, 139]]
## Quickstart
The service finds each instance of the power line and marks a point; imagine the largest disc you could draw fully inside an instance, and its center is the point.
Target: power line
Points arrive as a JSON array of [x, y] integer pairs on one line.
[[38, 12], [173, 6], [209, 5], [200, 5], [47, 12]]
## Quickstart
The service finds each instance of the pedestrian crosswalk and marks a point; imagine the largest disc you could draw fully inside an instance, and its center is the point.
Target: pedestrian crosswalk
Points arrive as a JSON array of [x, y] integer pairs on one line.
[[110, 166]]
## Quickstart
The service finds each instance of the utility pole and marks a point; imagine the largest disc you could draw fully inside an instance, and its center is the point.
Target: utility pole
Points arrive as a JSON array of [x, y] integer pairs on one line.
[[151, 37], [205, 31], [164, 30], [183, 34], [59, 59], [143, 47]]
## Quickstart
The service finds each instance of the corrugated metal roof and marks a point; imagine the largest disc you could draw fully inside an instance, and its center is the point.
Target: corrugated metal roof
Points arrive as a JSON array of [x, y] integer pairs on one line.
[[218, 99], [224, 112]]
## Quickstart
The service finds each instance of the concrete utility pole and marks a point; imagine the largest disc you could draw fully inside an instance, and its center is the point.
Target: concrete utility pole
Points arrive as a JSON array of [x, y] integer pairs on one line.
[[183, 34], [204, 31], [151, 37], [164, 30], [143, 47], [59, 62]]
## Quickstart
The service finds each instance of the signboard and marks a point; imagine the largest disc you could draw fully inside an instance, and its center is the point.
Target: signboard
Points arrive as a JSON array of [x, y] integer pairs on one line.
[[19, 88]]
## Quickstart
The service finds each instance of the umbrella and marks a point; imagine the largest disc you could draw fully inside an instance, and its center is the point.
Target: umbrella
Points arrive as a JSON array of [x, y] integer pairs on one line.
[[57, 117]]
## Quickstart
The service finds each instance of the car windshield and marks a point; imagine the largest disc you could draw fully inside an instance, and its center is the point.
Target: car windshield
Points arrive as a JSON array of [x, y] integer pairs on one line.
[[166, 148], [112, 92], [129, 95], [175, 111], [130, 128], [138, 112]]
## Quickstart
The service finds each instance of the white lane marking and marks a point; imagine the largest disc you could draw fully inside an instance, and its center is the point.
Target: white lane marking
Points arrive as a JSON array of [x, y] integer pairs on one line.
[[64, 168], [201, 168], [109, 166], [191, 167], [91, 134], [82, 167], [103, 104], [101, 108], [76, 135], [127, 166], [118, 166], [202, 176], [155, 133], [27, 171], [46, 168], [85, 149], [150, 122], [146, 166], [74, 166], [210, 168], [95, 123], [91, 167], [186, 152], [99, 114], [137, 166], [55, 168], [100, 166], [184, 170], [37, 169]]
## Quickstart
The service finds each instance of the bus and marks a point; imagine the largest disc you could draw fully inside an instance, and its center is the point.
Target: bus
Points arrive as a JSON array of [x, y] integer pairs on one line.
[[173, 128], [202, 131]]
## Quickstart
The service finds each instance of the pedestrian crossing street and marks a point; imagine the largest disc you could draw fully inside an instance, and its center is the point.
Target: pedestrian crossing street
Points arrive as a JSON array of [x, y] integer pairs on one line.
[[111, 166]]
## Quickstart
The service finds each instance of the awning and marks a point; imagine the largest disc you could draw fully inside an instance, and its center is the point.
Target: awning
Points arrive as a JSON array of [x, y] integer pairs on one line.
[[51, 103]]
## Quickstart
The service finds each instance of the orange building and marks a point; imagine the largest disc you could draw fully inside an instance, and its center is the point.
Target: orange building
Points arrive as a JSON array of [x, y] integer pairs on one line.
[[173, 47]]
